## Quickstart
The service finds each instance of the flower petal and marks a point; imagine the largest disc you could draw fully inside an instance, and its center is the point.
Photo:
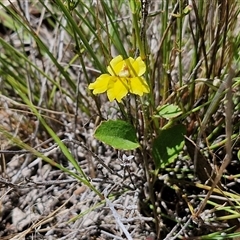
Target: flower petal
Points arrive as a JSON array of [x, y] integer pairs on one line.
[[117, 89], [115, 65], [138, 86], [101, 84], [139, 66]]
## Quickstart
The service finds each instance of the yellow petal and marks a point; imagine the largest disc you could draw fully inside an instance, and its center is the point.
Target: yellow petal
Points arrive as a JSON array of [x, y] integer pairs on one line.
[[117, 89], [129, 65], [139, 66], [101, 84], [138, 86], [115, 65]]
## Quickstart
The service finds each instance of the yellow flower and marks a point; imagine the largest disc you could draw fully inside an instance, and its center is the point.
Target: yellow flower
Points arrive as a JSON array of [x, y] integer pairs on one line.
[[123, 76]]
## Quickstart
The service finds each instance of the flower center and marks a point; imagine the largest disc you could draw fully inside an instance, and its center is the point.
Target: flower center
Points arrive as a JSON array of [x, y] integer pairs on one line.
[[124, 72]]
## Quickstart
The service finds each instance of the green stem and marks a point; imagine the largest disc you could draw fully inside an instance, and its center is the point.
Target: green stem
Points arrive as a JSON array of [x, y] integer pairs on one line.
[[137, 35]]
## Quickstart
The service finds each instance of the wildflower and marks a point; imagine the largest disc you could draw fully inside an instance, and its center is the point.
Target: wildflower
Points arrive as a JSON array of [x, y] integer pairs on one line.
[[123, 76]]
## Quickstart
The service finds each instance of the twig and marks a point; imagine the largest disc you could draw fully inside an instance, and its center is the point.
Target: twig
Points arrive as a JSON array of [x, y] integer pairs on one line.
[[176, 236], [47, 150], [117, 218], [57, 182], [94, 155], [40, 223], [30, 183], [111, 235], [10, 184]]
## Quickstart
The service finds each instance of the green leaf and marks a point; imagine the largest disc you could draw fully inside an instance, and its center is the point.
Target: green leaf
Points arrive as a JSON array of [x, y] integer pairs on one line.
[[135, 6], [169, 111], [118, 134], [187, 9], [168, 145]]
